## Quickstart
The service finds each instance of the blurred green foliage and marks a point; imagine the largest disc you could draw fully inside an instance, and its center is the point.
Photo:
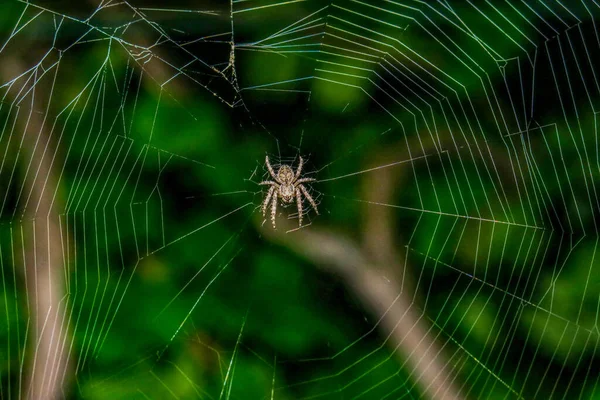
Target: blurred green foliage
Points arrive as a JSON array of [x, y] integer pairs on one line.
[[173, 295]]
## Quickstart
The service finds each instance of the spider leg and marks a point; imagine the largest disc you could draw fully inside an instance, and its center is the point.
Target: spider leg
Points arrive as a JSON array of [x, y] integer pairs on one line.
[[309, 198], [299, 170], [267, 199], [303, 180], [271, 170], [274, 208], [299, 204], [268, 183]]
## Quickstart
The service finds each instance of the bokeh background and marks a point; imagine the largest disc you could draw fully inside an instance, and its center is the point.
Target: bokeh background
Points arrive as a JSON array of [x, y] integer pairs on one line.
[[455, 147]]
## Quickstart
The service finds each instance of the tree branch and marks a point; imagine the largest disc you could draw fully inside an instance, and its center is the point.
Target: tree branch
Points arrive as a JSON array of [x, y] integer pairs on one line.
[[42, 247], [399, 321]]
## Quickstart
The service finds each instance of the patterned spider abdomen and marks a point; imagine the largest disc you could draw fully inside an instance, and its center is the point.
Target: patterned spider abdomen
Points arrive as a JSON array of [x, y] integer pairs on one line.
[[285, 174]]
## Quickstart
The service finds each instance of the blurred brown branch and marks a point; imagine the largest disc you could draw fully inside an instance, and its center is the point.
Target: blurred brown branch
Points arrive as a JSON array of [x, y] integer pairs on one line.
[[42, 244], [402, 325]]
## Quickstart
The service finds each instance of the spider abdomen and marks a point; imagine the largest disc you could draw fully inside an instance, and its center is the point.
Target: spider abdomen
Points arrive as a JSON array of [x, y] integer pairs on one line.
[[285, 174]]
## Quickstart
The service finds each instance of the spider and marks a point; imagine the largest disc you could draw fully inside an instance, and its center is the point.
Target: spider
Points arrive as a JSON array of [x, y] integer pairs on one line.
[[288, 186]]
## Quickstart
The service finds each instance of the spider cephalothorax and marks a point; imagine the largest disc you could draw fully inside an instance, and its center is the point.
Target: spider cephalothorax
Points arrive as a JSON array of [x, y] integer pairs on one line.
[[288, 186]]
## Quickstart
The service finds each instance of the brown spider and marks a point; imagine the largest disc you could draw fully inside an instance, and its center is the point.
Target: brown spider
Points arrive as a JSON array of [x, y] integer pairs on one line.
[[288, 187]]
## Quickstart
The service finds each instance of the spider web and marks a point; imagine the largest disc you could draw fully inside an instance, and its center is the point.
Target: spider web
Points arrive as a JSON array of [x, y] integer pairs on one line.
[[456, 150]]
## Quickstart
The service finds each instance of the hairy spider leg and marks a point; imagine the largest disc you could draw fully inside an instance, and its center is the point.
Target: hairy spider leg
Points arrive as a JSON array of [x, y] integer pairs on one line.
[[265, 203], [274, 208], [299, 170], [299, 204], [309, 198], [303, 180], [271, 170]]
